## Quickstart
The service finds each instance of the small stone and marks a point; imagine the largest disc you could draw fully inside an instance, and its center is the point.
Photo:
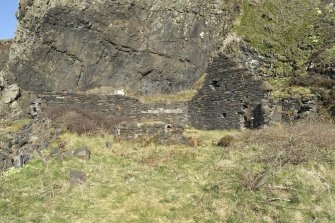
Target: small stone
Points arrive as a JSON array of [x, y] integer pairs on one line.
[[266, 86], [66, 155], [58, 130], [77, 177], [20, 160], [2, 81], [33, 139], [8, 145], [17, 161], [11, 93], [83, 153], [44, 145], [2, 165], [5, 164], [55, 151], [62, 145], [109, 144]]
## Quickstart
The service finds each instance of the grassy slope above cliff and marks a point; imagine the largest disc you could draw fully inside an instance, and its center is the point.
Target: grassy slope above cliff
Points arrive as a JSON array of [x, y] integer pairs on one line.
[[290, 32], [283, 174]]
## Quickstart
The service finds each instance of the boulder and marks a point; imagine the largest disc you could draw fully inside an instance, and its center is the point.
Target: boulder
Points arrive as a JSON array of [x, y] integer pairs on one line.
[[82, 153], [10, 94]]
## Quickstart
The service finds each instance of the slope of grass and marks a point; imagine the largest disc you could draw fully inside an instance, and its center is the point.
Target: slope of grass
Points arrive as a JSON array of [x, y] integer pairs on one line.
[[290, 32], [278, 26], [284, 174]]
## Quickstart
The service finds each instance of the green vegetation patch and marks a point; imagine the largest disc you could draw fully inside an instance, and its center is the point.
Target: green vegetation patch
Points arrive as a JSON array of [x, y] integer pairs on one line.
[[278, 26], [328, 55], [290, 32], [13, 126]]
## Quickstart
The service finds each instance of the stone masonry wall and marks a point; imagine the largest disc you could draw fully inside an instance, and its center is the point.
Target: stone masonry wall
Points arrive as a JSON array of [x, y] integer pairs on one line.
[[143, 118], [230, 98]]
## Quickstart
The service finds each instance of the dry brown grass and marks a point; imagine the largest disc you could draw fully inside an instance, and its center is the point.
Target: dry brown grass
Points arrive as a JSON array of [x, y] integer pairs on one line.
[[226, 141], [294, 144], [82, 121], [304, 133]]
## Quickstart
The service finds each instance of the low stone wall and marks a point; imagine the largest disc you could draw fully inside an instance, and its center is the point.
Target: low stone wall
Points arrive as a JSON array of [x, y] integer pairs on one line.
[[143, 118]]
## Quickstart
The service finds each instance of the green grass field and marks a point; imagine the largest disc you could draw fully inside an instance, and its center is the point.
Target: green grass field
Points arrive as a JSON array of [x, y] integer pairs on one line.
[[282, 174]]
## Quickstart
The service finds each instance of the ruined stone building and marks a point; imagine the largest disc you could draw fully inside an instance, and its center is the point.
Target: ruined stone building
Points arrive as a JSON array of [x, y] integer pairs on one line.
[[65, 50]]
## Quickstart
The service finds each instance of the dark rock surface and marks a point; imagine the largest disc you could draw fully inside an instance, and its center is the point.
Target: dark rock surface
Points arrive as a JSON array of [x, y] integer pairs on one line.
[[4, 52], [145, 47]]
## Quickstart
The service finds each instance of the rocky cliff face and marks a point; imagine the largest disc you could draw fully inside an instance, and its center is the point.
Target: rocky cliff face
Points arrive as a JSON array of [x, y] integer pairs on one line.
[[4, 52], [142, 47]]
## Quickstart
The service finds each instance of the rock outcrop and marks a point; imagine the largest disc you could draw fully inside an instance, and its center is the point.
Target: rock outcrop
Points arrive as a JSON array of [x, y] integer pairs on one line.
[[141, 47], [4, 52]]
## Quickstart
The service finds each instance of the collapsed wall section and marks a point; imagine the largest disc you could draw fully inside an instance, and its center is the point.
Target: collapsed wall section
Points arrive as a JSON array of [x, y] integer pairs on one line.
[[141, 119]]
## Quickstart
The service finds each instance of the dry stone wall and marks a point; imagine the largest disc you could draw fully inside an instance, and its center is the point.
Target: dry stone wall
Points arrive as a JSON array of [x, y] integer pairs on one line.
[[230, 98], [143, 118]]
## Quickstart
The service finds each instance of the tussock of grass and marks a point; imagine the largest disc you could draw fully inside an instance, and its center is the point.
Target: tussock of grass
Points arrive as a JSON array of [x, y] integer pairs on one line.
[[13, 126], [180, 96], [158, 183], [283, 89]]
